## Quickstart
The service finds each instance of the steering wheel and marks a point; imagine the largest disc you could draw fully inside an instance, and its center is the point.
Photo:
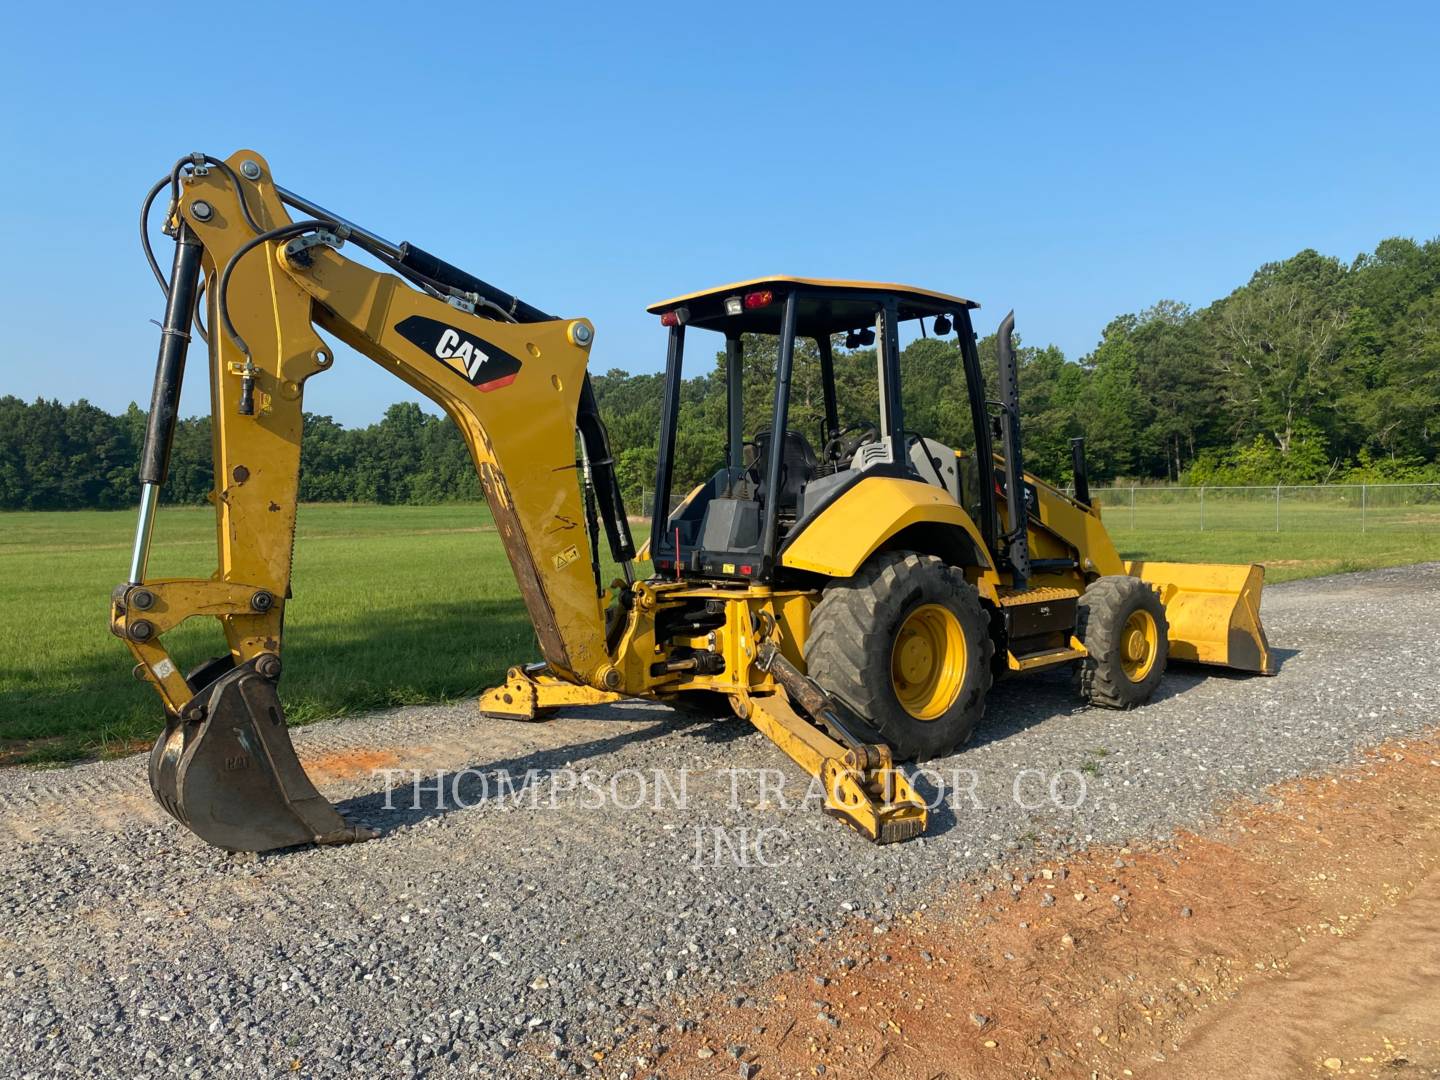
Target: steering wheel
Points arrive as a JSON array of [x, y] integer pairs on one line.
[[843, 444]]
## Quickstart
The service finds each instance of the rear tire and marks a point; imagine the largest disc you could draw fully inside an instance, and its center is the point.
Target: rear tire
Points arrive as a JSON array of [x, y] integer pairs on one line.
[[905, 646], [1121, 623]]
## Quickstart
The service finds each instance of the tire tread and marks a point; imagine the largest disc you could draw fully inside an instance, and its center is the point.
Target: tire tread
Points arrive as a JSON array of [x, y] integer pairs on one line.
[[848, 645], [1101, 615]]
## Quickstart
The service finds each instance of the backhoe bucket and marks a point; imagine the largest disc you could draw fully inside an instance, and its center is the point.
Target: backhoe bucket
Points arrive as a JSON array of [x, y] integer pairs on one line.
[[1214, 612], [232, 776]]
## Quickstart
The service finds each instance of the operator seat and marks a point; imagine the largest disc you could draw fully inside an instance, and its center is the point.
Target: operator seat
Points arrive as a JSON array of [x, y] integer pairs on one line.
[[797, 465]]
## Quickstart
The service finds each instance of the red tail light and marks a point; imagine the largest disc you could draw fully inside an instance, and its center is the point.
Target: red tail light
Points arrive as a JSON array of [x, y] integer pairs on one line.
[[759, 299], [669, 319]]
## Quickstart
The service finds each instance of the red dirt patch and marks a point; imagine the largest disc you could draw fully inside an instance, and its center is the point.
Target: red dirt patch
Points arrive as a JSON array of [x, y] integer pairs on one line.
[[1297, 938], [347, 764]]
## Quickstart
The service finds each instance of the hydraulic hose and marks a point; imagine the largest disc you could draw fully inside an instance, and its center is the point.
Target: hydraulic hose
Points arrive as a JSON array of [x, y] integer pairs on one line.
[[195, 160], [145, 233], [222, 290], [172, 179]]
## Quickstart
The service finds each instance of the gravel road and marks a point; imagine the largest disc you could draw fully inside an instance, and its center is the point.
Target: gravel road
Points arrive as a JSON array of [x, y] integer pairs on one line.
[[521, 932]]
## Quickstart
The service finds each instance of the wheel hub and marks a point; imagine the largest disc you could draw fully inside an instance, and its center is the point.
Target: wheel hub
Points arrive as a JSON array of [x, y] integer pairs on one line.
[[1134, 646], [928, 661], [1139, 644], [916, 658]]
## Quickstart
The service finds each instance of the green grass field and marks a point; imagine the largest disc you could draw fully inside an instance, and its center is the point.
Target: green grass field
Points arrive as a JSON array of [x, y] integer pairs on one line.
[[393, 606]]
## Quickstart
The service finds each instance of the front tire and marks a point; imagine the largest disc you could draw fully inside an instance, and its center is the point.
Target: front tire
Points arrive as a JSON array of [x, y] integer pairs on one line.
[[1121, 623], [905, 646]]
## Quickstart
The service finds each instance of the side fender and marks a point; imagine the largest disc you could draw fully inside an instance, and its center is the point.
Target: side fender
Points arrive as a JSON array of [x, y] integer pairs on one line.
[[876, 511]]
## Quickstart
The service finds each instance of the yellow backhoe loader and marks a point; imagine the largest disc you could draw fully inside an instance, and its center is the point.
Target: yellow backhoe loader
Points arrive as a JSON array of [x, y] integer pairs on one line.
[[853, 598]]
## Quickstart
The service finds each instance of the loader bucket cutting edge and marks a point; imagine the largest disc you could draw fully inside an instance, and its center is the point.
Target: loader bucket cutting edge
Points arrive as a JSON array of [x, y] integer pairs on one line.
[[232, 777], [1213, 610]]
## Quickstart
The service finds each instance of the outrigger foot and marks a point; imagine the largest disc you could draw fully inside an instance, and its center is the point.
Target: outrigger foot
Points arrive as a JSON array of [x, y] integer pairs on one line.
[[532, 693]]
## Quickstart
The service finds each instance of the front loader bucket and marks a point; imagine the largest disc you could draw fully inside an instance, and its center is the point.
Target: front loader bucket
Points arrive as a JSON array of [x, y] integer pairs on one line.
[[1214, 612], [232, 776]]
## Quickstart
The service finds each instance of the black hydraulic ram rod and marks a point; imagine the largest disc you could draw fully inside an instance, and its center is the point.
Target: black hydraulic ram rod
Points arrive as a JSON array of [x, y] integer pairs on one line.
[[606, 483], [592, 429], [432, 266], [165, 397], [416, 258], [1080, 471], [806, 693]]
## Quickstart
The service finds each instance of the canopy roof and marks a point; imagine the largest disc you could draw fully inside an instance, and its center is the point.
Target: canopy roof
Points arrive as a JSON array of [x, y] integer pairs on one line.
[[825, 307]]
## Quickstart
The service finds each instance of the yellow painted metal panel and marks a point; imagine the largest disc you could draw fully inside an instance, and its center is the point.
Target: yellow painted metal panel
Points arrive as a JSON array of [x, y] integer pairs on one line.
[[1065, 524], [1213, 610], [858, 523], [823, 283]]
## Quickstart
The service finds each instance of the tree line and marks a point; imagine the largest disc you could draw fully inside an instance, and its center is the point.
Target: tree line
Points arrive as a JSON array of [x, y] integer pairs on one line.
[[1313, 371], [66, 457]]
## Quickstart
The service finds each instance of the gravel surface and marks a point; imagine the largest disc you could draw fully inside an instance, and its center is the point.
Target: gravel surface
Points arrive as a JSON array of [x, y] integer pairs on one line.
[[523, 932]]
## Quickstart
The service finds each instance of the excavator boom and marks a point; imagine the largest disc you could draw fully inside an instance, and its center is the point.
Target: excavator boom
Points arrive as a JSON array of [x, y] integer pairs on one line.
[[511, 378]]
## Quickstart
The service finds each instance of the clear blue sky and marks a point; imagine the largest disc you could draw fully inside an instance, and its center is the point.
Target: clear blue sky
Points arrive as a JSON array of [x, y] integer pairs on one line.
[[1074, 162]]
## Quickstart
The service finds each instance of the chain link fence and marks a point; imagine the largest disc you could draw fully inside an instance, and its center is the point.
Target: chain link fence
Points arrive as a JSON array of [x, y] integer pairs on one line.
[[647, 498], [1278, 508]]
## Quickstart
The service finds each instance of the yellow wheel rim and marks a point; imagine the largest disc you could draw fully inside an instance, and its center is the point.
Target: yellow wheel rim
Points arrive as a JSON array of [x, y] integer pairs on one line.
[[927, 661], [1139, 643]]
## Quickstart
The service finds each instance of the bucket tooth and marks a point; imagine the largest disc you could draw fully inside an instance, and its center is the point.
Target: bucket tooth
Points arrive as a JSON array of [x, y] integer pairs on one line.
[[231, 776], [1214, 612]]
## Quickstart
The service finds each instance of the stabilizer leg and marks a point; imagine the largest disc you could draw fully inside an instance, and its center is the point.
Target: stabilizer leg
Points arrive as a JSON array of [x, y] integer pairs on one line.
[[532, 693], [867, 792], [863, 787]]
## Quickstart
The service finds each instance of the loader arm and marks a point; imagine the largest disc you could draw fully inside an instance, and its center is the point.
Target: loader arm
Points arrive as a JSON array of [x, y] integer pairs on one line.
[[225, 765]]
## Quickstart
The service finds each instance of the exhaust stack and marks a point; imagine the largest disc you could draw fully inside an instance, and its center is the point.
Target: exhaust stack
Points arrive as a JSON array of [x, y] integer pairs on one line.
[[1016, 513]]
